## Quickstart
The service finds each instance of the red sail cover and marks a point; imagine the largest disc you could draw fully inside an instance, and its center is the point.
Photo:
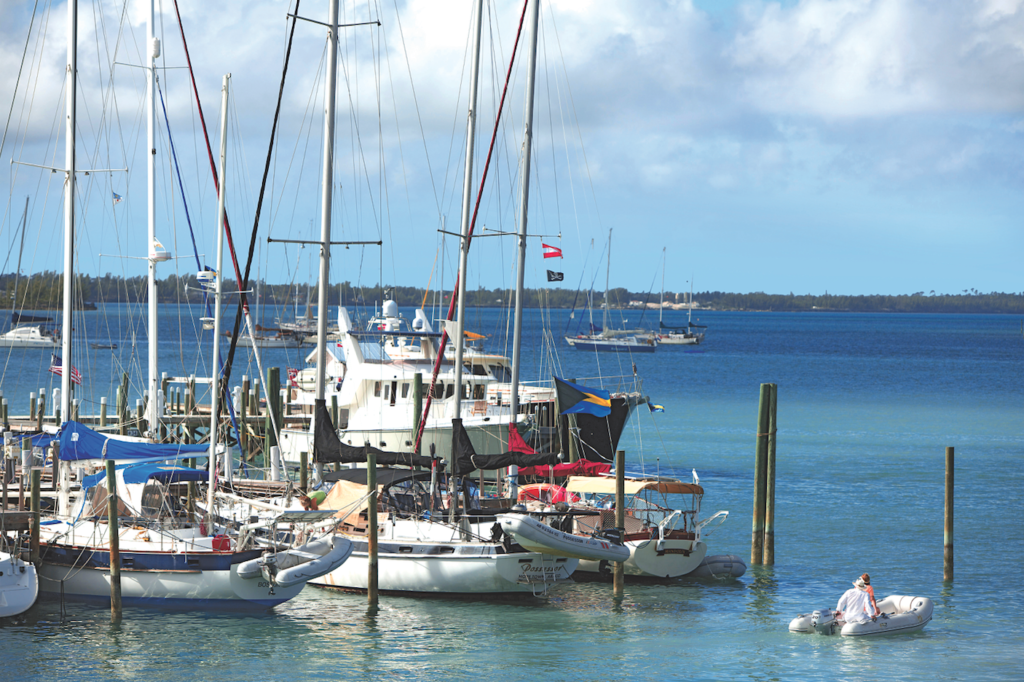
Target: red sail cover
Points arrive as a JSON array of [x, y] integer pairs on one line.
[[579, 468], [516, 442]]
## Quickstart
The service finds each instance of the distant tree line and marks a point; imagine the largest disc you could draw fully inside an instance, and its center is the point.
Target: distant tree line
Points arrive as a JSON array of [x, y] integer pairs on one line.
[[44, 291]]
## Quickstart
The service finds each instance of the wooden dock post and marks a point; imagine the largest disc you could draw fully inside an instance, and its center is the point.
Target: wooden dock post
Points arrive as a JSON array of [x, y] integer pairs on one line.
[[103, 411], [115, 547], [76, 406], [273, 417], [33, 543], [7, 421], [140, 414], [371, 527], [760, 477], [41, 413], [947, 550], [32, 406], [122, 405], [619, 577], [769, 508], [417, 406]]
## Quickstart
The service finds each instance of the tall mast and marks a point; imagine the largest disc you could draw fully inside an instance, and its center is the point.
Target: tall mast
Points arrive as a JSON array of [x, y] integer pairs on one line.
[[152, 52], [531, 71], [69, 209], [215, 385], [517, 336], [325, 207], [467, 200], [21, 250], [661, 302], [607, 279]]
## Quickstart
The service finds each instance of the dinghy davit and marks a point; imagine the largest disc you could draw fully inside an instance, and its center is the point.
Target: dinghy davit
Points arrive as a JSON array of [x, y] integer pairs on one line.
[[899, 614]]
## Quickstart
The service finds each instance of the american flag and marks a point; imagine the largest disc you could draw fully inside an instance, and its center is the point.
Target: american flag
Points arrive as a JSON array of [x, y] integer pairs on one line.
[[55, 367]]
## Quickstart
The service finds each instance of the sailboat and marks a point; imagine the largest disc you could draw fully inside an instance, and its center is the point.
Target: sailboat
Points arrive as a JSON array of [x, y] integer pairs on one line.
[[22, 333], [423, 547], [606, 339], [680, 336], [169, 558]]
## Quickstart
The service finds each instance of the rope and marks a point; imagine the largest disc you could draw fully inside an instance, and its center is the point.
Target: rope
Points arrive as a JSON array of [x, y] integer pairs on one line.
[[469, 235]]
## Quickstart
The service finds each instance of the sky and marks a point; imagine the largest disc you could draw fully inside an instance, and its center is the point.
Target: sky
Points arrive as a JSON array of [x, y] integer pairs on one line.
[[847, 146]]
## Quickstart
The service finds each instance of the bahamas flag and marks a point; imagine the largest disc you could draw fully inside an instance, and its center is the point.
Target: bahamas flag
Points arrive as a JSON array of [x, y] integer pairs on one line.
[[576, 399]]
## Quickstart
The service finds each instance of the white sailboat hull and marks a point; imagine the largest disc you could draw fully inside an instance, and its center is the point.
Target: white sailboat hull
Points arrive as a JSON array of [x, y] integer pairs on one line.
[[19, 585], [467, 570], [675, 558]]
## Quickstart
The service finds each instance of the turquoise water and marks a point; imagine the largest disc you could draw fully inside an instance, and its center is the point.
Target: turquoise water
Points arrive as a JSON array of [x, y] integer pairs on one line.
[[867, 404]]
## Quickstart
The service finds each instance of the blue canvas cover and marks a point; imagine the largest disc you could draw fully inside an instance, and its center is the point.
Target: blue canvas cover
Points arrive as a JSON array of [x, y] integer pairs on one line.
[[78, 441], [140, 473]]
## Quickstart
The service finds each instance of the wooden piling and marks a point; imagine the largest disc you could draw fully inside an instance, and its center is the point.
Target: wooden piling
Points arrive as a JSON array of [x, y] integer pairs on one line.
[[303, 471], [115, 547], [7, 421], [371, 527], [41, 412], [103, 411], [619, 577], [76, 405], [122, 405], [34, 539], [417, 405], [947, 550], [273, 408], [760, 477], [769, 508], [32, 406]]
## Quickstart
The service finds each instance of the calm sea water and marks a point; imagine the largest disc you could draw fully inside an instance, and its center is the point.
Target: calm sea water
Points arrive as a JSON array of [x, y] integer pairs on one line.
[[867, 404]]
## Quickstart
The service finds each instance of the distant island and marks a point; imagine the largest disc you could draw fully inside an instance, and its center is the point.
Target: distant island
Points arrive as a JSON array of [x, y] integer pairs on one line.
[[43, 291]]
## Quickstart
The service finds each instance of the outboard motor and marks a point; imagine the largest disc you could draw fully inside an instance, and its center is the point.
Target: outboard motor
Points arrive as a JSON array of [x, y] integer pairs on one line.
[[824, 622]]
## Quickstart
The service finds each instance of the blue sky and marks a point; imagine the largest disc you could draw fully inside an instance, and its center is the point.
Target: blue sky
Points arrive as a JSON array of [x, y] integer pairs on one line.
[[853, 146]]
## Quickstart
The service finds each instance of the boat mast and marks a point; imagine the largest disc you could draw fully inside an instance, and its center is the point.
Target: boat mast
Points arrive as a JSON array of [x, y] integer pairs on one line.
[[152, 52], [467, 200], [661, 302], [326, 200], [215, 385], [517, 334], [17, 273], [69, 209], [607, 279]]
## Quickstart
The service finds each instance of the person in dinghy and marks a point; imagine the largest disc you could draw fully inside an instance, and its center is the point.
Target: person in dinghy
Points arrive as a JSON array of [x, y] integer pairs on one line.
[[855, 606]]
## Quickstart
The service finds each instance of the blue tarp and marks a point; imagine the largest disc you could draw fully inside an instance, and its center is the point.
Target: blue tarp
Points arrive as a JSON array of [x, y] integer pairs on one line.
[[78, 441], [140, 473]]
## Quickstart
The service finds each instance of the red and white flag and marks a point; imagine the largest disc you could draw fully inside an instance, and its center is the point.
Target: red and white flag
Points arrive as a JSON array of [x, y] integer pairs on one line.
[[55, 367], [551, 251], [293, 377]]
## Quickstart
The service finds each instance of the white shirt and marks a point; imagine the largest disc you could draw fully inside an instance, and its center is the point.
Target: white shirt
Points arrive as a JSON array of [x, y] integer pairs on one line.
[[855, 605]]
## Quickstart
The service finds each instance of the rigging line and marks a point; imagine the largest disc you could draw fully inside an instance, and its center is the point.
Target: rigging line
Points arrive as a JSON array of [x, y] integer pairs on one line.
[[416, 105], [17, 81], [469, 234]]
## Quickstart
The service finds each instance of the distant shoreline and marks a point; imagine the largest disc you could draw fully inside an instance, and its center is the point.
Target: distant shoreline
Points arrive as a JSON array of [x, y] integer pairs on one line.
[[43, 291]]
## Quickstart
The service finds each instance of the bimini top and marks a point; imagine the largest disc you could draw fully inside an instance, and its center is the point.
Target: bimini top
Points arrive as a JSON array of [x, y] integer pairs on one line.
[[606, 485], [78, 441], [140, 473]]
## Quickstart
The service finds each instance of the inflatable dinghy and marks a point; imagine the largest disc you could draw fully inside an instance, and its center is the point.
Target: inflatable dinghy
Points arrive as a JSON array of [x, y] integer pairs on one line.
[[719, 566], [899, 614], [535, 536]]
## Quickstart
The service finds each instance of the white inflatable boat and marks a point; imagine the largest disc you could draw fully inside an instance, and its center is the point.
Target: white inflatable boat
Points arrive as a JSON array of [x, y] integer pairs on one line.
[[719, 566], [535, 536], [899, 614]]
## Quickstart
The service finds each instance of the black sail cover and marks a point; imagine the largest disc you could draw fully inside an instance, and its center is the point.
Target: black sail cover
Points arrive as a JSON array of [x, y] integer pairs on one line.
[[328, 448], [466, 459]]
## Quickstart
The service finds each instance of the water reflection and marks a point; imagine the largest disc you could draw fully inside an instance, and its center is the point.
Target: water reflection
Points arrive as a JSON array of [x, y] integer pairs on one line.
[[763, 607]]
